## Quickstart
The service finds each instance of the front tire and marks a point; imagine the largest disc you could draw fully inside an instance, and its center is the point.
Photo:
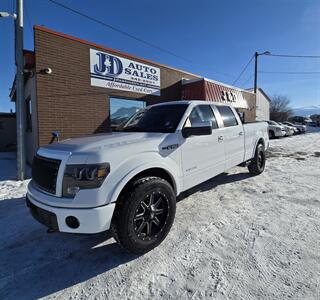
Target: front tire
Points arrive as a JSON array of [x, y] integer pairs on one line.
[[258, 163], [144, 214]]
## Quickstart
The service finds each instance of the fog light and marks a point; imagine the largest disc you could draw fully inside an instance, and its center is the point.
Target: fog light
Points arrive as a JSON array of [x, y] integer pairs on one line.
[[72, 222]]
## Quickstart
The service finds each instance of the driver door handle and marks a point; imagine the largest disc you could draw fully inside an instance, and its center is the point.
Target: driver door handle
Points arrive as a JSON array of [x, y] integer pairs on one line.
[[240, 133], [220, 138]]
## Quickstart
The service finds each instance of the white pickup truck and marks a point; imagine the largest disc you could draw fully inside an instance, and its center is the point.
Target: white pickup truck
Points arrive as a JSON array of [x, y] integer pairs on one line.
[[128, 180]]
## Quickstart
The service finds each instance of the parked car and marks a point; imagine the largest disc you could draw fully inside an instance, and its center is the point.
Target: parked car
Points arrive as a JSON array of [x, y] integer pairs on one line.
[[289, 129], [299, 119], [301, 128], [295, 130], [311, 124], [275, 130], [128, 181], [316, 118]]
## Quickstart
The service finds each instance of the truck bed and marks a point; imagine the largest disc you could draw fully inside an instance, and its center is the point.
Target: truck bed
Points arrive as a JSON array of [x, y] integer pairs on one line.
[[251, 132]]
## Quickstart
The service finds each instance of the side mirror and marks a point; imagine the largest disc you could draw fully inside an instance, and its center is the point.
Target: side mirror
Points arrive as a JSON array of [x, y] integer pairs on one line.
[[203, 128]]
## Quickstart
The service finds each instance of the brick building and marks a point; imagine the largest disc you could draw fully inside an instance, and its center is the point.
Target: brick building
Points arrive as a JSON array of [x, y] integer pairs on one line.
[[76, 87]]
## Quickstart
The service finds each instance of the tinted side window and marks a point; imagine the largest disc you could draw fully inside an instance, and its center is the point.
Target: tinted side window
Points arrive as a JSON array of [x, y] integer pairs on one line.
[[202, 113], [227, 115]]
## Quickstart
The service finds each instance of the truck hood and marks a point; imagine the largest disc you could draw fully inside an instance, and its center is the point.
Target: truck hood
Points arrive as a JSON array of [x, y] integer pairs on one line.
[[105, 140]]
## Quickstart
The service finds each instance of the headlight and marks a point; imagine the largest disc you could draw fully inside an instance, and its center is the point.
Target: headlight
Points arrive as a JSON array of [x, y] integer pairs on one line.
[[78, 177]]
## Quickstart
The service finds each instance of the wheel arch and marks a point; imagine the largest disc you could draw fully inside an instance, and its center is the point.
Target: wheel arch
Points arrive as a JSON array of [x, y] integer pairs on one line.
[[259, 141], [157, 171]]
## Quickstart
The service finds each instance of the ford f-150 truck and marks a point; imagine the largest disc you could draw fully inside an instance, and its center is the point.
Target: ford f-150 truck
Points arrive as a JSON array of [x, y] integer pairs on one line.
[[128, 180]]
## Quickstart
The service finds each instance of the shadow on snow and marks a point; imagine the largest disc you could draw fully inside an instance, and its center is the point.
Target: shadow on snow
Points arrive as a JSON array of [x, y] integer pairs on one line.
[[35, 264]]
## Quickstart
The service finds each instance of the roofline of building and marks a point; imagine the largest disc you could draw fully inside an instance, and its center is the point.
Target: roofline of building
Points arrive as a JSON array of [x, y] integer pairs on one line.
[[82, 41], [199, 101], [190, 81], [262, 91]]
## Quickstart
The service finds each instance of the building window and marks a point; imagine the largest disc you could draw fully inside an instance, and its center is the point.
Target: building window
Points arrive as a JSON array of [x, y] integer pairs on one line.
[[122, 109], [28, 115]]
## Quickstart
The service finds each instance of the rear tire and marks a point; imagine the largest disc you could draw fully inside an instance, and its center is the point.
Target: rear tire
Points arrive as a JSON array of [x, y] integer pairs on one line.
[[144, 214], [258, 163]]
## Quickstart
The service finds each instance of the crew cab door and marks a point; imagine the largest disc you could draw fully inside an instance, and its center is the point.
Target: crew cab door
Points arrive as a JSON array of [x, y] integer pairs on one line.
[[233, 136], [203, 157]]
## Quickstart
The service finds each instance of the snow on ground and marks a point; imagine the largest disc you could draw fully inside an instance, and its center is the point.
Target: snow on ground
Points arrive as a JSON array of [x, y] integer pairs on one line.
[[235, 236]]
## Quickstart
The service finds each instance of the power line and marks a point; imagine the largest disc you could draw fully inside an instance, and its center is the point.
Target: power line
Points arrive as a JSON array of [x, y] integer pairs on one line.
[[277, 72], [284, 72], [118, 30], [243, 70], [247, 80], [131, 36], [295, 56]]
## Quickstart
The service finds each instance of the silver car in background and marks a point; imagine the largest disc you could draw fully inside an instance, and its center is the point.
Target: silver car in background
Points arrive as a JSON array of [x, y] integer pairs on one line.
[[289, 129], [275, 130], [301, 128]]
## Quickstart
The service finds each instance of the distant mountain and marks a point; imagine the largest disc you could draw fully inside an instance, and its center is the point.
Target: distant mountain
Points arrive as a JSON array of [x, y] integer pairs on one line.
[[306, 110]]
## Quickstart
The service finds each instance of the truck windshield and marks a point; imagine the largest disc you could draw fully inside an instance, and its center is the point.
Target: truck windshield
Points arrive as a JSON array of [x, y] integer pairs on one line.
[[162, 118]]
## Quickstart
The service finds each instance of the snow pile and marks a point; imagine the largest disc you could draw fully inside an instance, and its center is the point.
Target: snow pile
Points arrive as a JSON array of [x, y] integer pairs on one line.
[[9, 187], [234, 236]]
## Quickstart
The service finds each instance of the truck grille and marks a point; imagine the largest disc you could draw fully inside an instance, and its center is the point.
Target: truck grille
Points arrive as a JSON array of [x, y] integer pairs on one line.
[[45, 172]]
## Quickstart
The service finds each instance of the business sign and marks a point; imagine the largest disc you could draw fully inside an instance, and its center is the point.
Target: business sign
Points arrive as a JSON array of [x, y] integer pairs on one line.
[[229, 96], [114, 72]]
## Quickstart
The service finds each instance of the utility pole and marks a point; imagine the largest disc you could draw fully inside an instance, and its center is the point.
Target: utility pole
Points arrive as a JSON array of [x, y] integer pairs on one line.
[[255, 71], [20, 104], [256, 54]]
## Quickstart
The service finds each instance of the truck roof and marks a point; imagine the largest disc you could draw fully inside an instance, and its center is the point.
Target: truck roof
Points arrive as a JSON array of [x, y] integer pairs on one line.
[[191, 102]]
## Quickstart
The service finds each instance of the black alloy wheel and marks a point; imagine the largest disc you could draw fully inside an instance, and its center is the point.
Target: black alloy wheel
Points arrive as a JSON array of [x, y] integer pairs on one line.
[[151, 216], [144, 214]]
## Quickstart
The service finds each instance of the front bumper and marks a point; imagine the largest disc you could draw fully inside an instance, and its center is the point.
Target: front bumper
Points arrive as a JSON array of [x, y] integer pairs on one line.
[[91, 220], [289, 132], [280, 133]]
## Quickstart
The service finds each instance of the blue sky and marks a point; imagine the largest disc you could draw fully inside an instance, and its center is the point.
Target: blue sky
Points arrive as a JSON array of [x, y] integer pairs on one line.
[[218, 37]]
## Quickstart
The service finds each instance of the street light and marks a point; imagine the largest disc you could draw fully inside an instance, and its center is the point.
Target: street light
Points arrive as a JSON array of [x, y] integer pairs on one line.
[[256, 54], [4, 14]]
